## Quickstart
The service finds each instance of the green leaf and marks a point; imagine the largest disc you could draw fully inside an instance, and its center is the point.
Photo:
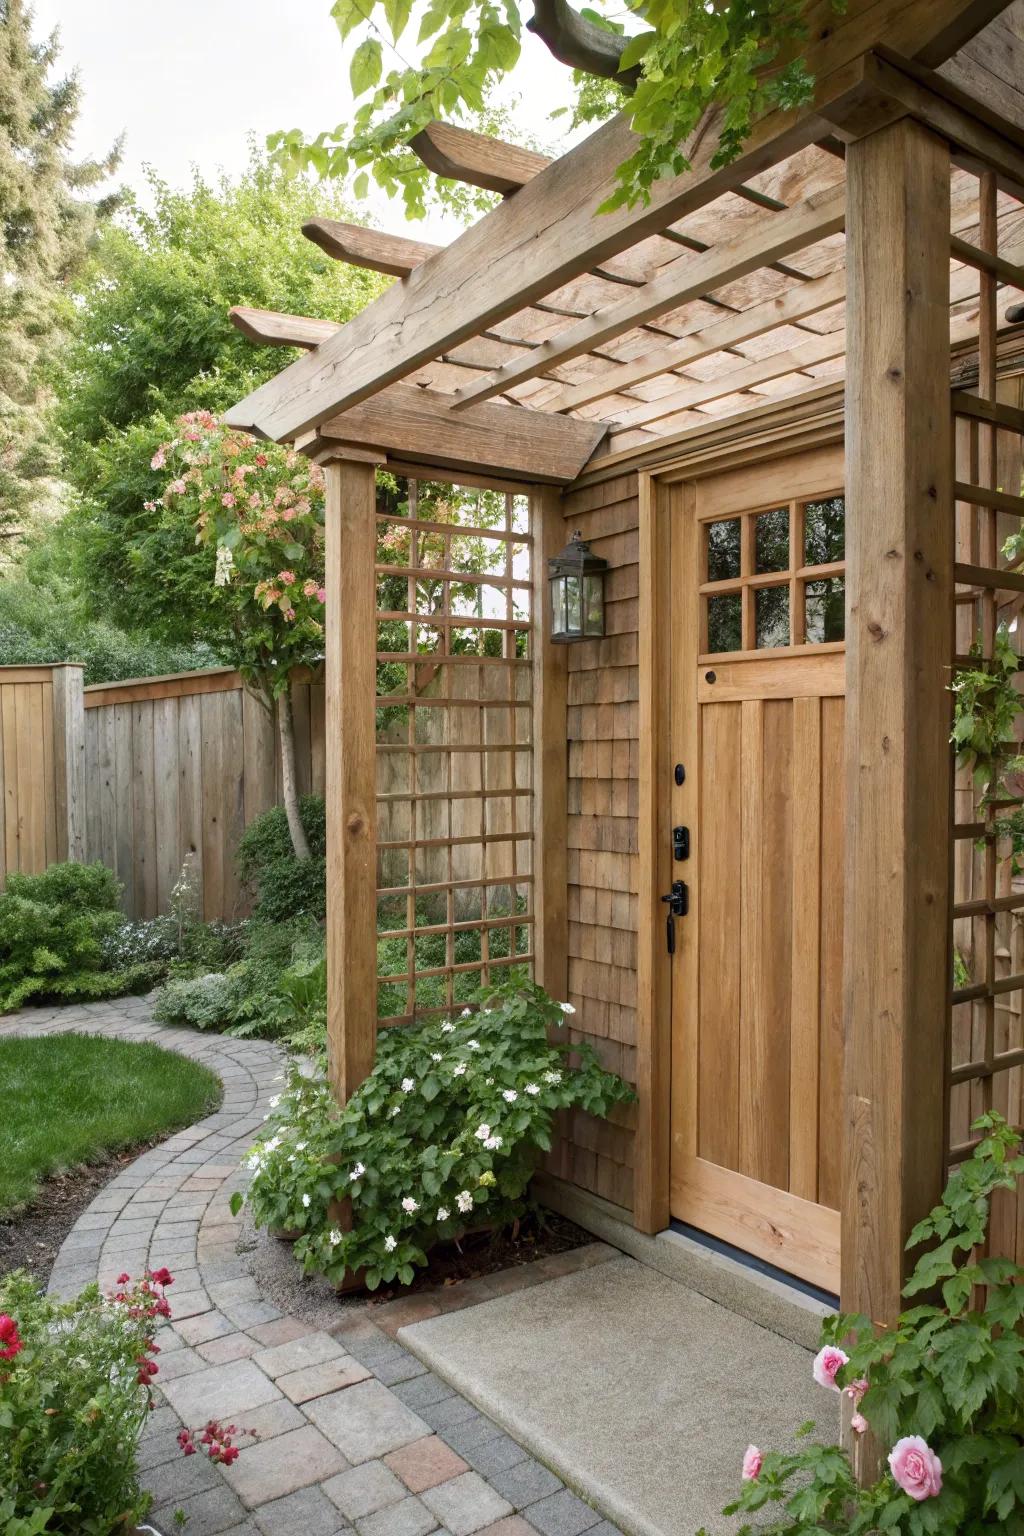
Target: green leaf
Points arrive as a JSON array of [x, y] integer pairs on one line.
[[366, 66], [236, 1202], [396, 14]]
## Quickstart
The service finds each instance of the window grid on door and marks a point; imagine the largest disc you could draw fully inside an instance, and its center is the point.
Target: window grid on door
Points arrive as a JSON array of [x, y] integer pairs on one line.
[[773, 578]]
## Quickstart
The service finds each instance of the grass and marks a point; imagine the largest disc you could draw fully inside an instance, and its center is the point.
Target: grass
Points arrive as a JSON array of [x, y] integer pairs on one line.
[[72, 1099]]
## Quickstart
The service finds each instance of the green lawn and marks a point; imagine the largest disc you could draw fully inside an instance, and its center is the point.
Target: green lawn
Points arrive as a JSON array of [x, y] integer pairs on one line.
[[67, 1099]]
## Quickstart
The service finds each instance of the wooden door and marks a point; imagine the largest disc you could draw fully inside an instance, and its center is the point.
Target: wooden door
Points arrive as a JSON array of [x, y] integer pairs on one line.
[[757, 722]]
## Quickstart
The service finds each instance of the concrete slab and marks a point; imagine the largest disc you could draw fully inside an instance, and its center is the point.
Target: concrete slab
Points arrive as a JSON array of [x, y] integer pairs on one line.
[[640, 1393]]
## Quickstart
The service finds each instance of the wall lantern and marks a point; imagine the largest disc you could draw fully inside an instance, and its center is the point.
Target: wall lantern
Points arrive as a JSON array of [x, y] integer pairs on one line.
[[577, 593]]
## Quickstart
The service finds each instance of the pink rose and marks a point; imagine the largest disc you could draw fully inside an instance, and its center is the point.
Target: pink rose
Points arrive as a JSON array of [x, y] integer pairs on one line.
[[321, 593], [826, 1363], [916, 1467], [288, 577], [858, 1423], [178, 487], [227, 500], [752, 1460], [159, 459]]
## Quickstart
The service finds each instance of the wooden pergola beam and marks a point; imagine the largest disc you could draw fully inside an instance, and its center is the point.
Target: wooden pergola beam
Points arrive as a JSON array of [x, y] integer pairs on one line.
[[271, 329], [761, 370], [797, 303], [508, 441], [551, 231], [361, 247], [688, 277], [458, 154]]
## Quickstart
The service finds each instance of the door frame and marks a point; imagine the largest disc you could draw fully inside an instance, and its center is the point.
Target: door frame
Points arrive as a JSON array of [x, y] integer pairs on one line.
[[665, 716]]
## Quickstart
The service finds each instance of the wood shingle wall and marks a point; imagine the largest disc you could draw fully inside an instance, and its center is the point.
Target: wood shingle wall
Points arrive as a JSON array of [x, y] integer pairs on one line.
[[603, 767]]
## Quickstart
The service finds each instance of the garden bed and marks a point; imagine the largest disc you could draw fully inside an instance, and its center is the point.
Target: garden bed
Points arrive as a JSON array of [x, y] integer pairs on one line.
[[484, 1253], [31, 1237]]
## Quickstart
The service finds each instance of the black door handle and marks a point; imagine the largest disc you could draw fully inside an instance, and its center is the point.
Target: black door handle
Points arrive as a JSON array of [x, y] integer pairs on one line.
[[678, 903]]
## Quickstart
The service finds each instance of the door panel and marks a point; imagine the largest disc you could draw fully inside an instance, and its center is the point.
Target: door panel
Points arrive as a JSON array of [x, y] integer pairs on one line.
[[758, 682]]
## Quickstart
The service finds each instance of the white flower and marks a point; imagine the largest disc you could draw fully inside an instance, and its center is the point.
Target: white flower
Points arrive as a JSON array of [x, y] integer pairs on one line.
[[225, 565], [300, 1146], [390, 1243], [275, 1101], [254, 1160], [409, 1204], [443, 1213], [357, 1173], [509, 1095], [435, 1055], [408, 1084], [305, 1201], [489, 1081], [567, 1007], [482, 1132], [492, 1143], [552, 1077], [533, 1089], [466, 1013], [273, 1144], [393, 1111], [474, 1045], [464, 1201], [460, 1070], [334, 1237], [291, 1157], [446, 1029]]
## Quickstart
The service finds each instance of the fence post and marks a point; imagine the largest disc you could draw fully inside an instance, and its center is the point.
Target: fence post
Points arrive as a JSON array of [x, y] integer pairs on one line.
[[549, 680], [351, 690], [69, 759]]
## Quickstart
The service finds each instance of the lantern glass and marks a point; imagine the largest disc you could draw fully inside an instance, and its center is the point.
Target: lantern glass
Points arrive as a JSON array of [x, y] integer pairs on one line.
[[573, 605], [594, 605], [558, 608]]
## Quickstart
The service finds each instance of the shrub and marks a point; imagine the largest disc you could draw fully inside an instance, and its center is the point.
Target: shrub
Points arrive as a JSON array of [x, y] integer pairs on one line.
[[944, 1388], [75, 1388], [442, 1136], [258, 994], [283, 886], [54, 929]]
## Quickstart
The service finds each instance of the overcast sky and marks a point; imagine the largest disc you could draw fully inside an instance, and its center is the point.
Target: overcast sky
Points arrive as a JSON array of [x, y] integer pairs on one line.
[[189, 80]]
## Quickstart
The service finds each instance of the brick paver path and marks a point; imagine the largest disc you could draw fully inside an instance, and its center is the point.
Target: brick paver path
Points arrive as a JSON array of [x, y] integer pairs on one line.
[[355, 1435]]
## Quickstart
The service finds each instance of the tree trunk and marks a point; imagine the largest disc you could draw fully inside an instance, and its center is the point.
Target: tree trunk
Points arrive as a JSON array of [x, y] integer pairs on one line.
[[289, 778]]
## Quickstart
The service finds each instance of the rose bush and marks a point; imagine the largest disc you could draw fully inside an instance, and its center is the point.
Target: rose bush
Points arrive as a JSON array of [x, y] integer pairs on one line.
[[443, 1136], [944, 1388], [75, 1387]]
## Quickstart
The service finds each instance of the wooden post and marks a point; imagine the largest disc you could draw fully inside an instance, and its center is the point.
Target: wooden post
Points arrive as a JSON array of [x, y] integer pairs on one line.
[[351, 688], [69, 759], [549, 676], [899, 638]]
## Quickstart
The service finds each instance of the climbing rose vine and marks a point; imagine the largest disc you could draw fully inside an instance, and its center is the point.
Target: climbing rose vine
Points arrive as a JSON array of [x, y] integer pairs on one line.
[[943, 1389]]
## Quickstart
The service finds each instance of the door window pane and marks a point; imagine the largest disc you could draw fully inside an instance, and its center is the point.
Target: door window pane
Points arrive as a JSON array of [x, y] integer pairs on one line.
[[771, 541], [825, 610], [725, 623], [771, 617], [724, 550], [825, 531]]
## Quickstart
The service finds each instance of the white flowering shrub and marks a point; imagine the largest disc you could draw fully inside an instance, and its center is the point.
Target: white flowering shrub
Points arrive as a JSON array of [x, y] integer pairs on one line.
[[443, 1136]]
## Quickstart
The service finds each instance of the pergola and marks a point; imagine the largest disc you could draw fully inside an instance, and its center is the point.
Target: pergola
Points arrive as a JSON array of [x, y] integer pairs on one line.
[[869, 242]]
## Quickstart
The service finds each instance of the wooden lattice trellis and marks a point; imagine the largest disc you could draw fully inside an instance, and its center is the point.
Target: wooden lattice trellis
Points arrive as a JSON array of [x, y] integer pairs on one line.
[[455, 903], [986, 1058]]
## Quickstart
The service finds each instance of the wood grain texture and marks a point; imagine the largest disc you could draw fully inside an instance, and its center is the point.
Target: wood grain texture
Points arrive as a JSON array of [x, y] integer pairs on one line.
[[494, 439], [549, 674], [900, 552], [350, 650]]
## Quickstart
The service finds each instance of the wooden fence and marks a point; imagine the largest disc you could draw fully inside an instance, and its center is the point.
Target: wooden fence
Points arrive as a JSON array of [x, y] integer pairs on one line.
[[141, 774], [42, 787]]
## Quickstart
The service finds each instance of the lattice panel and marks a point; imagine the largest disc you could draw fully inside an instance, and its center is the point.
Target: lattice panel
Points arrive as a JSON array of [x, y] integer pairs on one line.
[[454, 744], [986, 1069]]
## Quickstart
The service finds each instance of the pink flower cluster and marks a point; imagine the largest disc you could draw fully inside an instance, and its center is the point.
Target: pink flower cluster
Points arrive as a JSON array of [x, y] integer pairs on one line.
[[914, 1465], [11, 1342], [215, 1439], [145, 1299]]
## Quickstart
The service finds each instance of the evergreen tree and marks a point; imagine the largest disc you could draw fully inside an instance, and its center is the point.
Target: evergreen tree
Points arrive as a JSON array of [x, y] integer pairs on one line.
[[46, 226]]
